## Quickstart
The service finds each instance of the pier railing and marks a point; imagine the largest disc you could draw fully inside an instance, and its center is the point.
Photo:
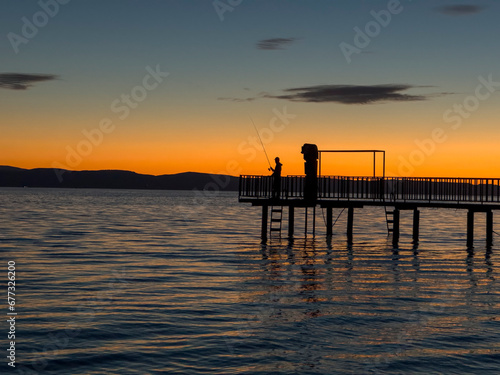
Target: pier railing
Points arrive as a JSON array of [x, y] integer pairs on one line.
[[389, 189]]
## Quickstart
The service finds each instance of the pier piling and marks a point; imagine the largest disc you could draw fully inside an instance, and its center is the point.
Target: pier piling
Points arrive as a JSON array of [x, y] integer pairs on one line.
[[395, 232], [350, 223], [416, 225], [489, 229], [291, 219], [314, 221], [305, 223], [329, 221], [263, 233], [470, 229]]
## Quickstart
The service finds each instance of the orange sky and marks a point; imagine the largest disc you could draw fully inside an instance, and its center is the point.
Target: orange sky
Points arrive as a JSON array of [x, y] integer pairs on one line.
[[215, 76], [220, 149]]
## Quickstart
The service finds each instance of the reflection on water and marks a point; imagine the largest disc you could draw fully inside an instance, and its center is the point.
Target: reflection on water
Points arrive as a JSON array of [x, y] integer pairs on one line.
[[374, 309], [139, 282]]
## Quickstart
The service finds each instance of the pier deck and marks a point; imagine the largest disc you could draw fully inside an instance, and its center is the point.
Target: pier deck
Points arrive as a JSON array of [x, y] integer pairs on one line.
[[399, 193]]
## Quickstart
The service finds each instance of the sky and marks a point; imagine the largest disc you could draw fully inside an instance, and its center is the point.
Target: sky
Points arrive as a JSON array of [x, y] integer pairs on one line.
[[170, 86]]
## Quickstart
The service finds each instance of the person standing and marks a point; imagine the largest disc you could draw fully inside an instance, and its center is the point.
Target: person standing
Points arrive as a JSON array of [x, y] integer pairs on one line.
[[276, 178]]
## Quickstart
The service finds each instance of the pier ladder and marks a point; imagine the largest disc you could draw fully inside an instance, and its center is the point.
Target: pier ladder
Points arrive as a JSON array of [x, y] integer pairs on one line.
[[389, 218], [276, 219]]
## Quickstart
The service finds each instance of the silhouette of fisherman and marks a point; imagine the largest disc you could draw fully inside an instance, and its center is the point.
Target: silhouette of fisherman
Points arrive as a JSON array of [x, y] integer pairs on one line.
[[276, 177]]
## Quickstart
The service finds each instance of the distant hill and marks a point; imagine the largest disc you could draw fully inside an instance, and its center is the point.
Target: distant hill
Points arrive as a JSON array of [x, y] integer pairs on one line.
[[113, 179]]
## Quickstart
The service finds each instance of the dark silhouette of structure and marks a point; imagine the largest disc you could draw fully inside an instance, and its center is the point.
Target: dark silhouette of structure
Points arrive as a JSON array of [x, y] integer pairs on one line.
[[310, 152], [276, 178], [394, 194]]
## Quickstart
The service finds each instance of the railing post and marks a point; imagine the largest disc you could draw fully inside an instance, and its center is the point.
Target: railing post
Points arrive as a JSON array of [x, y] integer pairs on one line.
[[240, 183], [429, 183]]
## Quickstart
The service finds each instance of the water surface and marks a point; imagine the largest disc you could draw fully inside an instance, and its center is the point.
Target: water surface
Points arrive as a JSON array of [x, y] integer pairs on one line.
[[152, 282]]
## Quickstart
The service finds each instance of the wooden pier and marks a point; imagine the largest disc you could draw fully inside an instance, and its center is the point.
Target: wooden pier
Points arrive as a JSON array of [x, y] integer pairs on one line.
[[394, 193]]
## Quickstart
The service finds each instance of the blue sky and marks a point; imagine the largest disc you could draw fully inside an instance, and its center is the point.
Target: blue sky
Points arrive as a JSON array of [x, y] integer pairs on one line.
[[100, 49]]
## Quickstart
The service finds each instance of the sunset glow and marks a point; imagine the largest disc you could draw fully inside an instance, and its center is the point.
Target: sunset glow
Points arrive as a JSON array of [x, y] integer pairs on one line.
[[174, 86]]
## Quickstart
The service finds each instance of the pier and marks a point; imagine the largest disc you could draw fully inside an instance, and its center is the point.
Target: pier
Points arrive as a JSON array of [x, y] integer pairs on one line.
[[395, 194]]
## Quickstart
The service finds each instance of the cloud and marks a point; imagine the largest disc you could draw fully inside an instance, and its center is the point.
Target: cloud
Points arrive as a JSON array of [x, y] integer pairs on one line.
[[250, 99], [460, 10], [238, 100], [346, 94], [21, 81], [275, 43]]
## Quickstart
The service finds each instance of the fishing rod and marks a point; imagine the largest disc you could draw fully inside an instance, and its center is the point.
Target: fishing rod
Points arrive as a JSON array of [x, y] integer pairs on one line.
[[260, 139]]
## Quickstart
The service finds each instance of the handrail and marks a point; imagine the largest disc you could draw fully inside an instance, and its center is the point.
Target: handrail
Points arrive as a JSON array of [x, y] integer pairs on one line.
[[391, 189]]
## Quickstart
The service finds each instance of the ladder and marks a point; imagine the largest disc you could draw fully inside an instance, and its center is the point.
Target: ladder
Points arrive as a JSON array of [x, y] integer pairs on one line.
[[389, 218], [389, 214], [276, 219]]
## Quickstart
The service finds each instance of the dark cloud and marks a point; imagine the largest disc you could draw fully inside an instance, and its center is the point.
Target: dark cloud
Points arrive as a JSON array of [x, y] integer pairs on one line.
[[346, 94], [460, 10], [21, 81], [349, 94], [275, 43]]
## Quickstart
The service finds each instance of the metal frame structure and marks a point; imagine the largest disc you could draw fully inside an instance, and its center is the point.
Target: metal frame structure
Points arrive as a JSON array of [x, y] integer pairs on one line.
[[374, 152]]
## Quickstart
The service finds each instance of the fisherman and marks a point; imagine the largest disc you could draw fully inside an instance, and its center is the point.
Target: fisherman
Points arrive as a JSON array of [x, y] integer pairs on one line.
[[276, 177]]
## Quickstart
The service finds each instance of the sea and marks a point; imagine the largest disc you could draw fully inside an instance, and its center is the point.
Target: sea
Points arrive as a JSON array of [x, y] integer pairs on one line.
[[179, 282]]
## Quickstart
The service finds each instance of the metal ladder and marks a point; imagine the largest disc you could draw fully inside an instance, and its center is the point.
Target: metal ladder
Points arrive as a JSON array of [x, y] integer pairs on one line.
[[389, 215], [389, 218], [276, 219]]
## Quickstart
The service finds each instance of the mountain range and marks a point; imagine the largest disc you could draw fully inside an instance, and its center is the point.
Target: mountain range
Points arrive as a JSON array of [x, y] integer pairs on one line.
[[113, 179]]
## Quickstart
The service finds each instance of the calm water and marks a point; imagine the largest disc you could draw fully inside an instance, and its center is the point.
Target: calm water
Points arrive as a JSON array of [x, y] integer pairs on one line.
[[153, 282]]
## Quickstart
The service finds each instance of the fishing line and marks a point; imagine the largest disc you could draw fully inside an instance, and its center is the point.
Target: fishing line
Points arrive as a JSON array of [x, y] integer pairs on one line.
[[260, 139]]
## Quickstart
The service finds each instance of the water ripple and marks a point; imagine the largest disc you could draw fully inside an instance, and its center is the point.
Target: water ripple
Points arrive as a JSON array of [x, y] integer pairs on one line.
[[150, 282]]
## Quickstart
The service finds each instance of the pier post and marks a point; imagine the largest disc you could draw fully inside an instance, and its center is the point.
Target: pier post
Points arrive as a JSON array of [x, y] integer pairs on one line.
[[470, 229], [329, 222], [291, 219], [305, 223], [489, 229], [395, 232], [416, 225], [263, 233], [314, 221], [350, 222]]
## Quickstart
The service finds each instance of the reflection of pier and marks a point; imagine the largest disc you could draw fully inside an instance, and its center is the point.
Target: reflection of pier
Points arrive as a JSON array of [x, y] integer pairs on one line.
[[395, 193]]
